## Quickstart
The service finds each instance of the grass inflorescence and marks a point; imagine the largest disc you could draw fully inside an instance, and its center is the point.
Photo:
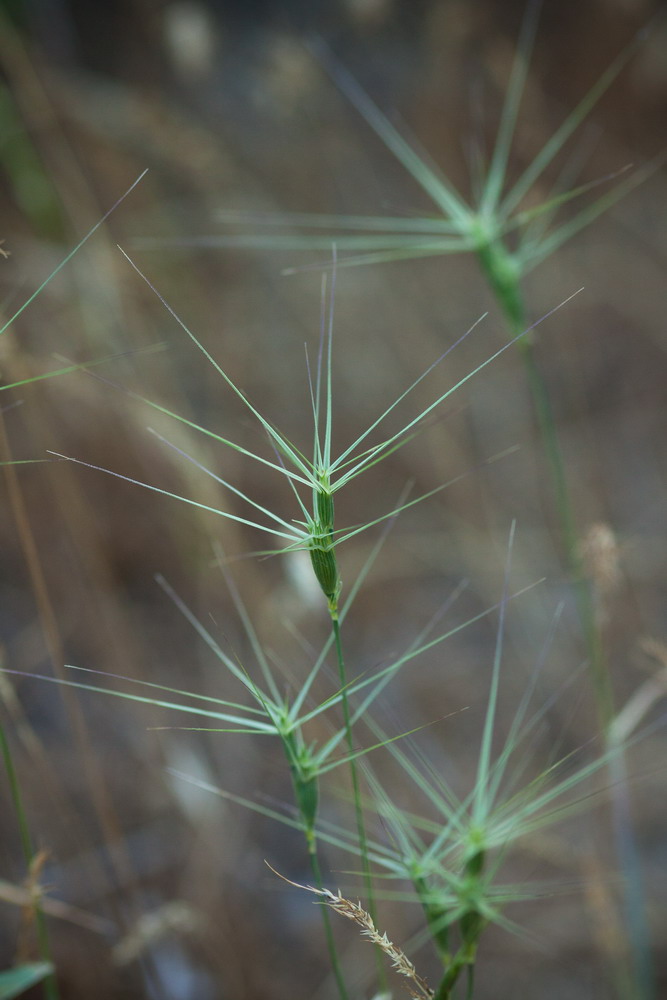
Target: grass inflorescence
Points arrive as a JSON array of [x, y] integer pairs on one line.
[[453, 870]]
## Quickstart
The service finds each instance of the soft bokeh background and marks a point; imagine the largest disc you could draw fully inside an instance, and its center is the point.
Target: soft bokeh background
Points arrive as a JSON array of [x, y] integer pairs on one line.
[[229, 110]]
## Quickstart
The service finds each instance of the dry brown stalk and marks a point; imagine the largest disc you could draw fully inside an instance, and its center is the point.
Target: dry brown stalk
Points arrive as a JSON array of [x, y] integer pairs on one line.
[[33, 903]]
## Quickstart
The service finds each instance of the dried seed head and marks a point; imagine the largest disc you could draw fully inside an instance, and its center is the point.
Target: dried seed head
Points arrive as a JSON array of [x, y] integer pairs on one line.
[[599, 551], [418, 988]]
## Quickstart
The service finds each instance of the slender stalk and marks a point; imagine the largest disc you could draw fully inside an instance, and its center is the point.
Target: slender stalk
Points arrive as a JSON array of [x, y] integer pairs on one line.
[[328, 933], [504, 279], [325, 568], [356, 791], [306, 793], [464, 959], [471, 982], [471, 926], [50, 984], [584, 600], [634, 895], [435, 919]]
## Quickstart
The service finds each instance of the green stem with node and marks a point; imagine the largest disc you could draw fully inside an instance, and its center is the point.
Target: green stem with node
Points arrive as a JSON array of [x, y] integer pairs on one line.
[[328, 933], [435, 918], [306, 793], [356, 791], [325, 566], [503, 274], [471, 925]]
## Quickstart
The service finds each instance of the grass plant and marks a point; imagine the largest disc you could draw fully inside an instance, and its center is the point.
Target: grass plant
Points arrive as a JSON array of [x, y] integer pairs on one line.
[[323, 475], [510, 230], [446, 857], [442, 858], [508, 239]]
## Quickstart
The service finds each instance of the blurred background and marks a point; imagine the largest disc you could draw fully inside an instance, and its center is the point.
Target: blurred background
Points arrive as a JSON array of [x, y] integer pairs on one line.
[[156, 888]]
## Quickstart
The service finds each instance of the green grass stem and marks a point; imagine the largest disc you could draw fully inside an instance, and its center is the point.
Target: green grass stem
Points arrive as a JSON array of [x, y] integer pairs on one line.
[[356, 791], [50, 983], [505, 283], [504, 279], [306, 795]]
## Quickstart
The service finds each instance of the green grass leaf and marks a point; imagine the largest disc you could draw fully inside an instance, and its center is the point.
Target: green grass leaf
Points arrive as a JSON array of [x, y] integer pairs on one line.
[[13, 982]]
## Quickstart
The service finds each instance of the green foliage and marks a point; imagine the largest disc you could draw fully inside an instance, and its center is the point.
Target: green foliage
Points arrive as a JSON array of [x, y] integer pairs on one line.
[[13, 982]]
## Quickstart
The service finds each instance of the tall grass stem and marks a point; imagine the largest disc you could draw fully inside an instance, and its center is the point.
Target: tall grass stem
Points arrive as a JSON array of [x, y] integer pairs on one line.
[[356, 793], [505, 285], [328, 932], [50, 983]]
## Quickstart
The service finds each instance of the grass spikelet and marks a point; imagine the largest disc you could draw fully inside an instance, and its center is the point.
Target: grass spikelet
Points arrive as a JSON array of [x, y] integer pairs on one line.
[[400, 962], [599, 551]]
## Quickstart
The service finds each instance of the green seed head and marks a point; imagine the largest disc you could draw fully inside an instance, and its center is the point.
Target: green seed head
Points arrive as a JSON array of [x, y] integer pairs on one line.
[[304, 777], [306, 792], [472, 924], [475, 863], [321, 546], [324, 510], [325, 567]]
